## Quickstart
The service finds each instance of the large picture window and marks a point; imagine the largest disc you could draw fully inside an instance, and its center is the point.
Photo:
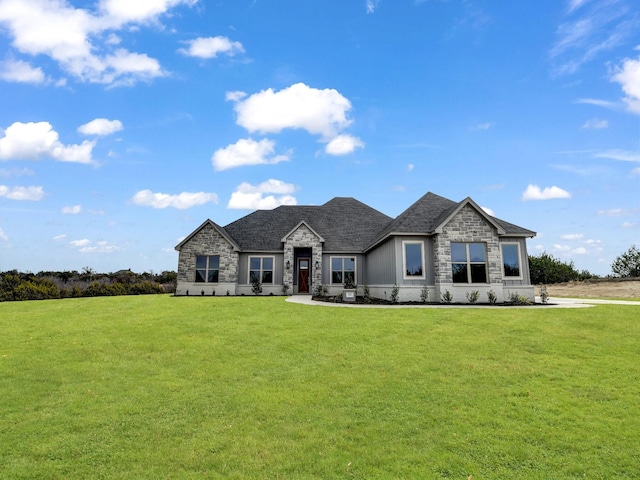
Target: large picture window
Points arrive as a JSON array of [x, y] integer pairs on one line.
[[207, 269], [469, 262], [261, 269], [511, 260], [413, 259], [343, 270]]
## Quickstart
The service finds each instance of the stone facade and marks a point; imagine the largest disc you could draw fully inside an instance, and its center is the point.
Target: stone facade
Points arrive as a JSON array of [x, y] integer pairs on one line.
[[303, 237], [207, 241]]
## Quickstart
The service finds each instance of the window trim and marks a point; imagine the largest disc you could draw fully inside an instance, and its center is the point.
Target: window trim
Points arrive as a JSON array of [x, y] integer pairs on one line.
[[342, 257], [404, 260], [469, 263], [262, 270], [511, 277], [207, 269]]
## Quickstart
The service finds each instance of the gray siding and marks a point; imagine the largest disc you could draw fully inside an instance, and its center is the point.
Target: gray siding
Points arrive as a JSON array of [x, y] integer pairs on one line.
[[381, 264], [428, 261]]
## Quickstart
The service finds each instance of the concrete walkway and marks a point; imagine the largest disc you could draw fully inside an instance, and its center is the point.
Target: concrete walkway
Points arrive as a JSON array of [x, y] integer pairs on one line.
[[553, 303]]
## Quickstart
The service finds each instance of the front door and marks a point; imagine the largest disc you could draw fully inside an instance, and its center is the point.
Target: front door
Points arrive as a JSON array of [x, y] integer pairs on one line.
[[303, 275]]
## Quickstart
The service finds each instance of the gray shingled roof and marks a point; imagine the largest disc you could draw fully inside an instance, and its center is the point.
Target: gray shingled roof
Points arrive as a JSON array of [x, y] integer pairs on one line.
[[346, 224]]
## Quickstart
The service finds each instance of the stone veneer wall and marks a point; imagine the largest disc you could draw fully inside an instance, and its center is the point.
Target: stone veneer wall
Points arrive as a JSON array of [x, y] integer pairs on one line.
[[466, 226], [303, 237], [206, 242]]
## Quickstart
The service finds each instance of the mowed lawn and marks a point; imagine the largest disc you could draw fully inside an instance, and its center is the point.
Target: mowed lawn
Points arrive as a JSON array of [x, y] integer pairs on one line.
[[169, 388]]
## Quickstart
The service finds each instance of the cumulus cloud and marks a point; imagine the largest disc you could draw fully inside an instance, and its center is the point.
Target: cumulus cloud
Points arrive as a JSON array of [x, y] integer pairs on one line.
[[100, 126], [534, 192], [319, 112], [628, 76], [256, 197], [181, 201], [77, 38], [210, 47], [73, 210], [343, 145], [22, 193], [35, 140], [246, 151], [21, 72], [371, 5], [595, 124], [488, 211], [87, 246]]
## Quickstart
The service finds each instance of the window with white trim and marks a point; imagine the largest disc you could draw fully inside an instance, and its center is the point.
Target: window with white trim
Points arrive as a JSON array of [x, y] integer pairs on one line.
[[469, 262], [413, 259], [207, 268], [343, 270], [261, 269], [511, 260]]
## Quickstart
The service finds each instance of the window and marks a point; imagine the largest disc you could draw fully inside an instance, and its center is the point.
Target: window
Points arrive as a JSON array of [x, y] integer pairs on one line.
[[469, 262], [413, 257], [511, 260], [207, 269], [343, 270], [261, 269]]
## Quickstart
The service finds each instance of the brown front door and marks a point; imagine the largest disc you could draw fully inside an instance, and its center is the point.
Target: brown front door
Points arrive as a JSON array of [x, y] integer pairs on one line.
[[303, 275]]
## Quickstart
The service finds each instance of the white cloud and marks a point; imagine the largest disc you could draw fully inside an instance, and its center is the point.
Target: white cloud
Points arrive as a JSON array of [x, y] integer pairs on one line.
[[57, 238], [482, 126], [572, 236], [371, 5], [622, 155], [210, 47], [595, 124], [635, 171], [182, 200], [77, 38], [628, 76], [616, 212], [533, 192], [34, 140], [234, 96], [100, 126], [628, 225], [488, 211], [599, 103], [252, 197], [3, 236], [15, 172], [73, 210], [588, 31], [319, 112], [343, 145], [246, 151], [21, 72], [80, 243], [410, 167], [22, 193]]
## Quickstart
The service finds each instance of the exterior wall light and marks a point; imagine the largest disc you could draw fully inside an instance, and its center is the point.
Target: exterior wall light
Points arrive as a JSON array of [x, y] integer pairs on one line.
[[288, 264]]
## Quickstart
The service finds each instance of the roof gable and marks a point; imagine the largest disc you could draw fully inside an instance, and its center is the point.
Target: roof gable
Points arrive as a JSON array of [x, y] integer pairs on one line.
[[447, 215], [217, 227], [284, 239]]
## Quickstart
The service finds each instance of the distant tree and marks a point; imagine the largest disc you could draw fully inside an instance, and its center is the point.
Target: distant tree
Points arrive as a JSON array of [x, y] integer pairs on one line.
[[628, 263], [545, 268]]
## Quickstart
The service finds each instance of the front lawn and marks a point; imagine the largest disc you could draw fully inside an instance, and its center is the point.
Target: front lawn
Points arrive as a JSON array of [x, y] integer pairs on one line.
[[202, 387]]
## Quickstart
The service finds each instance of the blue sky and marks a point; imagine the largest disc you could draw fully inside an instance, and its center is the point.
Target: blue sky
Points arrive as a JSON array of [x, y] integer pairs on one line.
[[124, 125]]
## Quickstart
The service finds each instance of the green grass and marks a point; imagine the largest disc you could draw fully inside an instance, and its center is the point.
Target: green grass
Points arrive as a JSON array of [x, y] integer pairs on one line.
[[163, 387]]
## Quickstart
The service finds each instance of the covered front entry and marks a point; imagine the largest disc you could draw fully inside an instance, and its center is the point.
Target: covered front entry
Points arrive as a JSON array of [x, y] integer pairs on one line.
[[304, 270]]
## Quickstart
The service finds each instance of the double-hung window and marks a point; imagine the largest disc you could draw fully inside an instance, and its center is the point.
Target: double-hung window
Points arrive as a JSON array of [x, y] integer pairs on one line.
[[511, 261], [413, 259], [261, 269], [469, 262], [207, 269], [343, 270]]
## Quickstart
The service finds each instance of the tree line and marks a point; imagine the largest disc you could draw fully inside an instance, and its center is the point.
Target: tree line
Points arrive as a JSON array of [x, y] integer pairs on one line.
[[16, 286]]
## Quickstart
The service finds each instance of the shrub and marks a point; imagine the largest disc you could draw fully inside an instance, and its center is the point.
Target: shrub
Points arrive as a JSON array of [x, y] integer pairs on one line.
[[394, 294], [472, 297], [366, 296], [424, 294], [516, 299], [256, 287], [492, 297], [544, 295], [447, 297], [321, 290]]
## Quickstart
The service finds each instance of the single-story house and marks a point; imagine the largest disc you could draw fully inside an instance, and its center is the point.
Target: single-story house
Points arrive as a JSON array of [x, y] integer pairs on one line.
[[436, 242]]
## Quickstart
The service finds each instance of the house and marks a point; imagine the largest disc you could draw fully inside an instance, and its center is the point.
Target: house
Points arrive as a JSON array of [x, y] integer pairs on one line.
[[438, 243]]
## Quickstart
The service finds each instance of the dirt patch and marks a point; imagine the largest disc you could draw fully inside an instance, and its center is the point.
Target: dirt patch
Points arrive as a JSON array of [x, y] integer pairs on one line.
[[614, 288]]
